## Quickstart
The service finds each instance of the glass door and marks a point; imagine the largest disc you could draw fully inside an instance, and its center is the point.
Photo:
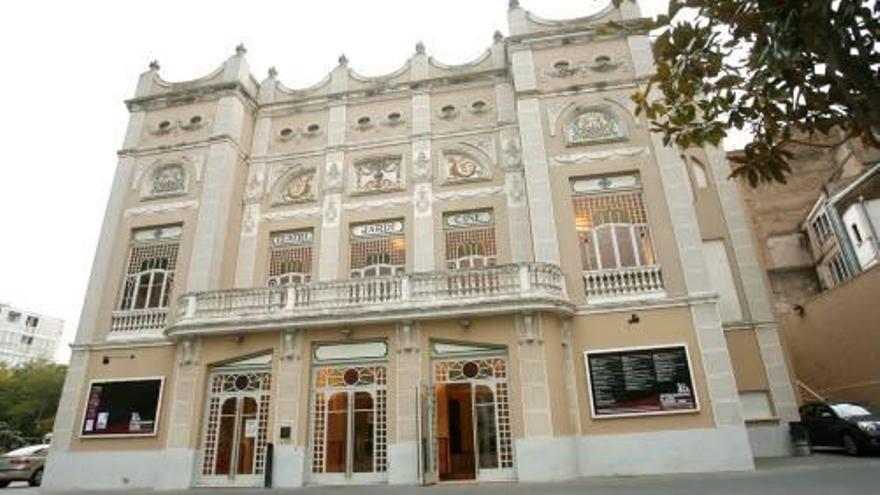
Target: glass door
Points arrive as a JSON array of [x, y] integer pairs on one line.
[[233, 448], [349, 426]]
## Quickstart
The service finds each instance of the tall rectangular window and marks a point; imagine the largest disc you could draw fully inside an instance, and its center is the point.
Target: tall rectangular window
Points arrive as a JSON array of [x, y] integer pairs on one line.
[[612, 223], [378, 249], [149, 276], [470, 239], [291, 259]]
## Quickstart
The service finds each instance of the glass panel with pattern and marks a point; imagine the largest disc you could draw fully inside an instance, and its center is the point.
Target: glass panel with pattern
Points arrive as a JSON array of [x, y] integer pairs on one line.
[[149, 278]]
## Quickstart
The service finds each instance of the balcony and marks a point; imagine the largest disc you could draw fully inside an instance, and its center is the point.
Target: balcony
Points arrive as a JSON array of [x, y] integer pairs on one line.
[[623, 284], [138, 324], [459, 293]]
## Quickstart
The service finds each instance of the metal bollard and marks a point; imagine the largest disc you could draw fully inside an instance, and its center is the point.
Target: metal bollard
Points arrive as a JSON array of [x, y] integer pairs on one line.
[[800, 439]]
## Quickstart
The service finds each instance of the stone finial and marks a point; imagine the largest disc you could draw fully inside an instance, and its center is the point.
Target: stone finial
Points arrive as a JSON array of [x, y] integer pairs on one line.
[[273, 72], [154, 65], [513, 4], [343, 60], [498, 37], [240, 49], [420, 48]]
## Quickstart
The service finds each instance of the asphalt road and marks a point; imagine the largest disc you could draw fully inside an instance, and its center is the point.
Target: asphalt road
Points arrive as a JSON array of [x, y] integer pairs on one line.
[[820, 474]]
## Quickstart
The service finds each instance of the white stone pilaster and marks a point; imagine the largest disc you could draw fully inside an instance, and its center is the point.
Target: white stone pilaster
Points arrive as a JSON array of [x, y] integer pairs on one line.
[[570, 371], [534, 386], [178, 464], [328, 256], [706, 318], [545, 239], [403, 465], [757, 295], [255, 189], [423, 248], [290, 456]]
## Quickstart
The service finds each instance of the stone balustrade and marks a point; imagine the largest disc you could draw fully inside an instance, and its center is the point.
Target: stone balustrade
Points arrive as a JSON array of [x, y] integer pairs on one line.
[[138, 323], [458, 293], [623, 284]]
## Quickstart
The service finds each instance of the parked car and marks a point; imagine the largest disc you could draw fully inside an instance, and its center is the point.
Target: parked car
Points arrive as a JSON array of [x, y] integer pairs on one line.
[[853, 427], [24, 464]]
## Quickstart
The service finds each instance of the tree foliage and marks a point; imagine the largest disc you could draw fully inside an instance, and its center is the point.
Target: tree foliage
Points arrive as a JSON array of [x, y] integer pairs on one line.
[[29, 396], [781, 70]]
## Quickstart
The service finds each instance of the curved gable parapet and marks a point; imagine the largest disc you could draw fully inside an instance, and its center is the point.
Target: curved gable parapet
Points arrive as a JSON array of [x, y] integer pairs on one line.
[[531, 23], [357, 80], [161, 86], [321, 88], [482, 63]]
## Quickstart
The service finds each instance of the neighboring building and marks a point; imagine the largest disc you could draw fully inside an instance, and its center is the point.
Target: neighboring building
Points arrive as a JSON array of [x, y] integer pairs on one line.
[[818, 238], [26, 336], [489, 271]]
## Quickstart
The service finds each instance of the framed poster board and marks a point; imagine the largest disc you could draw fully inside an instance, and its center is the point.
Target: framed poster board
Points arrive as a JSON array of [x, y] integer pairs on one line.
[[122, 407], [640, 381]]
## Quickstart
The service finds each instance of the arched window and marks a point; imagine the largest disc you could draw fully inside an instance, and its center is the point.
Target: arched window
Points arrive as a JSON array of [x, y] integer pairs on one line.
[[701, 179], [149, 279], [592, 126]]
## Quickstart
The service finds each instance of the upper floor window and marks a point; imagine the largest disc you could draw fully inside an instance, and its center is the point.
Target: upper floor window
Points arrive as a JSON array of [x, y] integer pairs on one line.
[[470, 239], [822, 229], [291, 258], [149, 276], [32, 322], [13, 316], [593, 125], [835, 271], [612, 223], [378, 249]]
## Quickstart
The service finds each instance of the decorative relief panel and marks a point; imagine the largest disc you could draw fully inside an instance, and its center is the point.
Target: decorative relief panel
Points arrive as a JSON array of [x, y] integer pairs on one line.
[[168, 180], [593, 125], [297, 186], [463, 167], [375, 175]]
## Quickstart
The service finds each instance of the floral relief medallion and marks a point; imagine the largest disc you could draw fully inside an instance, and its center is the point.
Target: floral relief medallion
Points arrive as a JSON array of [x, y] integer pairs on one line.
[[298, 189], [462, 167], [169, 180]]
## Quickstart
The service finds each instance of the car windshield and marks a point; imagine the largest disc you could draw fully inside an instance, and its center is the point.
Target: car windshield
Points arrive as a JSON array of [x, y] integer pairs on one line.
[[26, 451], [850, 410]]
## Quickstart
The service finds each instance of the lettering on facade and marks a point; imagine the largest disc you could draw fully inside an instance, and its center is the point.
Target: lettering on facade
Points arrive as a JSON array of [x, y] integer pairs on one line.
[[468, 219], [292, 238], [377, 229], [592, 185], [154, 234]]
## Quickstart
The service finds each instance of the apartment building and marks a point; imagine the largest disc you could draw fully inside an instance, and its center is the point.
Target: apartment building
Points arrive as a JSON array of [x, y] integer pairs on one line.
[[488, 271], [26, 336]]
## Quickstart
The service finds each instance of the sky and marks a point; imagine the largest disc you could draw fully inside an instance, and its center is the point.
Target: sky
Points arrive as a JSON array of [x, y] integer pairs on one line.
[[69, 65]]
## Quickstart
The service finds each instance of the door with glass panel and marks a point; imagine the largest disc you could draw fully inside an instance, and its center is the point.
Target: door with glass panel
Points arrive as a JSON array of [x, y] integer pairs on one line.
[[349, 427], [473, 424], [233, 447]]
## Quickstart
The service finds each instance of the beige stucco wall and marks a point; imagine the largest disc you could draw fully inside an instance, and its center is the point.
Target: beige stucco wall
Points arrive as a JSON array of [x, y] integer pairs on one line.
[[834, 344]]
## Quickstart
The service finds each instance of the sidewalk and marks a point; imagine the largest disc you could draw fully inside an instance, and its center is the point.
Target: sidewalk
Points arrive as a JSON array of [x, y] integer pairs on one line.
[[820, 474]]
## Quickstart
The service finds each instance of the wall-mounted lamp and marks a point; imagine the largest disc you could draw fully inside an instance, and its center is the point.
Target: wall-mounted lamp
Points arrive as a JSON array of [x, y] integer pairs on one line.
[[105, 360], [464, 324], [239, 338], [634, 319], [798, 310]]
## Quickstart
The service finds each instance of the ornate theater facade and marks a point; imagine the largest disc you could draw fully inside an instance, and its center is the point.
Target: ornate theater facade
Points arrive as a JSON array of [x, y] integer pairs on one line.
[[489, 271]]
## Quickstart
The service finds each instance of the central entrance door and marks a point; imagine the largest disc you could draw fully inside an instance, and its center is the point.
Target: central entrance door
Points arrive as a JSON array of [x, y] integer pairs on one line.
[[473, 424], [233, 450], [349, 431]]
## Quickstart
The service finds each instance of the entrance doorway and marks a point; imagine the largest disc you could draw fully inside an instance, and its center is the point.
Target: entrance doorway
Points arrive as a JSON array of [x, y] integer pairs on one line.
[[349, 432], [472, 431], [236, 423]]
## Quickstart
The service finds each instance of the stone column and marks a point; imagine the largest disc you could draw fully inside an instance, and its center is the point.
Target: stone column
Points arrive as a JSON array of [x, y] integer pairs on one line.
[[328, 256], [423, 247], [545, 239], [758, 299], [290, 456], [704, 312], [212, 230], [179, 459], [403, 454], [539, 456]]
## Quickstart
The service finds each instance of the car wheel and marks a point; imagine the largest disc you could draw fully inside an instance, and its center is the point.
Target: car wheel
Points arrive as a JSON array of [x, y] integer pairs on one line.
[[4, 483], [850, 446], [36, 478]]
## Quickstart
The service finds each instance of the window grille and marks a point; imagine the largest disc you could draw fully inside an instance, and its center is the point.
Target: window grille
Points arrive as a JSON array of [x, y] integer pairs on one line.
[[378, 249], [152, 260], [822, 229], [291, 259], [470, 239], [612, 227]]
